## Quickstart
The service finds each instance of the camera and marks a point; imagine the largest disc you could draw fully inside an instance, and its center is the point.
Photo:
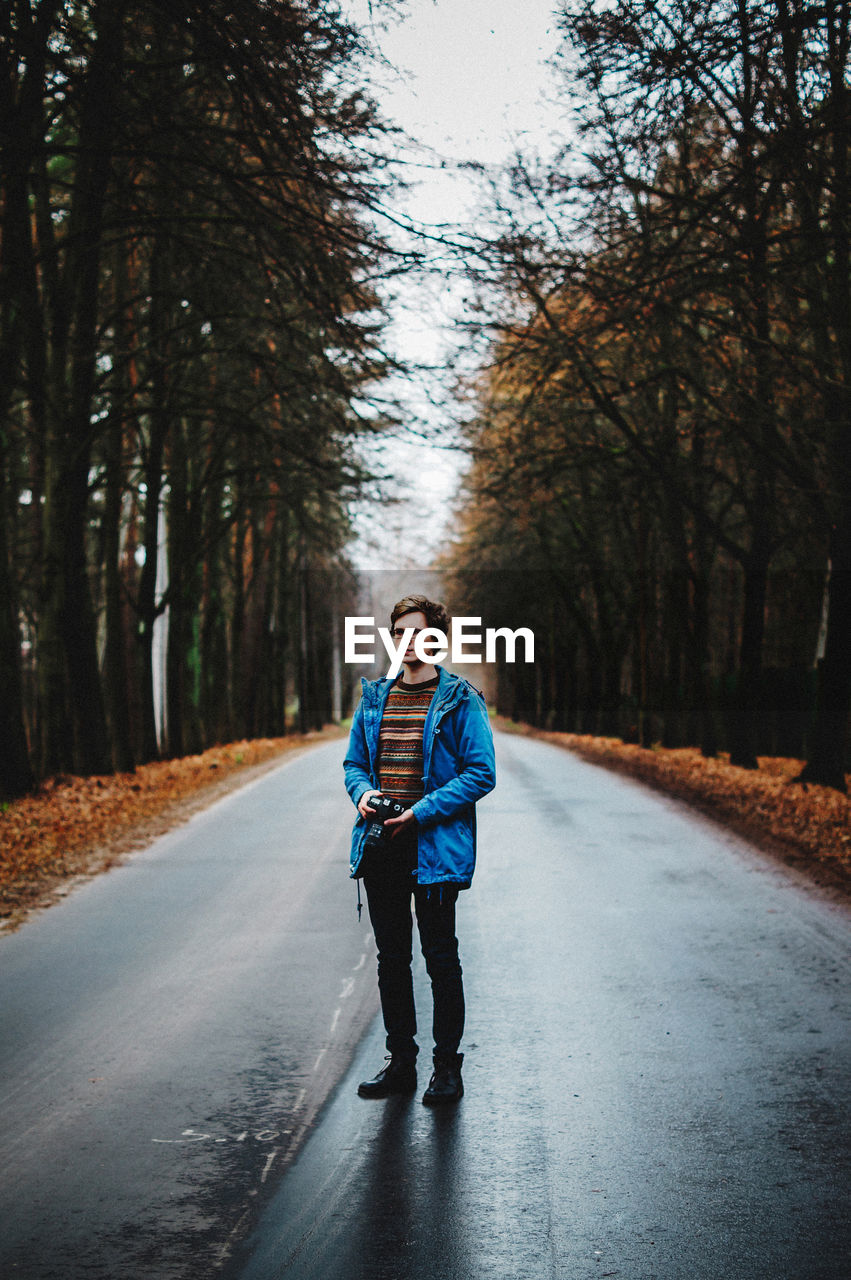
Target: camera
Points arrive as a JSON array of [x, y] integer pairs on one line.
[[385, 808]]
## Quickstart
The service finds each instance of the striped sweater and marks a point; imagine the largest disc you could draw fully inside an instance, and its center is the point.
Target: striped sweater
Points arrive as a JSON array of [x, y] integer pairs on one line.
[[400, 760]]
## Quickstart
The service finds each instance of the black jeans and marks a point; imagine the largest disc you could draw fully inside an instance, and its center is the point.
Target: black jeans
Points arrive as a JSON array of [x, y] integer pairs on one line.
[[389, 900]]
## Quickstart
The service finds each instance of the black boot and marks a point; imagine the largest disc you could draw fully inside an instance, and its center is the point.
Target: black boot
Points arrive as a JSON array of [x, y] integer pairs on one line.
[[446, 1084], [399, 1076]]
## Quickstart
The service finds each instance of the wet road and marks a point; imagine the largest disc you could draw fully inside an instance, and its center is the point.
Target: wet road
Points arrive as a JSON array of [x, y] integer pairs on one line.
[[657, 1067], [168, 1032], [657, 1055]]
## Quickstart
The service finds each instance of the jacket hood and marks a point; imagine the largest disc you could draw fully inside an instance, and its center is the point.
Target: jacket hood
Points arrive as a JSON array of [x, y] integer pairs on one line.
[[451, 688]]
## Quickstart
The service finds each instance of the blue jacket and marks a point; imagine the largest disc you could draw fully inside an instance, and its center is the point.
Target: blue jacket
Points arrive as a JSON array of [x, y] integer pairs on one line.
[[458, 769]]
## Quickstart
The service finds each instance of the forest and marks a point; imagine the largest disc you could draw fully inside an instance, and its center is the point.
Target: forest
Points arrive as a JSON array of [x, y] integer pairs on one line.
[[188, 322], [192, 353], [660, 442]]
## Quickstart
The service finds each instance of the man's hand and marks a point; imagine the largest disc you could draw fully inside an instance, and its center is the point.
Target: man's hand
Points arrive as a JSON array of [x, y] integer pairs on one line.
[[402, 823], [363, 804]]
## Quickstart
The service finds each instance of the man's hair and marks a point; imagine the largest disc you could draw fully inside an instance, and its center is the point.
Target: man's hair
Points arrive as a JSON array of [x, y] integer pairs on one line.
[[435, 614]]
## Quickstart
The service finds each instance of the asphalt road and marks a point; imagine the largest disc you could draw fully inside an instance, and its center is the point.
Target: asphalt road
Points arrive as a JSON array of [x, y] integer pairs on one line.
[[657, 1055], [168, 1032]]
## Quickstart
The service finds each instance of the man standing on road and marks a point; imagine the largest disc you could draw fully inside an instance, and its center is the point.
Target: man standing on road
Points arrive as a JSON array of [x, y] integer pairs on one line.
[[425, 741]]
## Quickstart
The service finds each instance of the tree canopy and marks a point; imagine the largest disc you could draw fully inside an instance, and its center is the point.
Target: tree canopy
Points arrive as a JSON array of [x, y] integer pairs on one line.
[[189, 318], [663, 438]]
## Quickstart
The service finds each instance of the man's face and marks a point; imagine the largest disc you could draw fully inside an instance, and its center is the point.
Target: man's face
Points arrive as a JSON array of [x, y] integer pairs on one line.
[[419, 622]]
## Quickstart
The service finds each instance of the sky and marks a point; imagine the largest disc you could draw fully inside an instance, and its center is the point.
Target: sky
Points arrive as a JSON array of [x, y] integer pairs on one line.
[[466, 80]]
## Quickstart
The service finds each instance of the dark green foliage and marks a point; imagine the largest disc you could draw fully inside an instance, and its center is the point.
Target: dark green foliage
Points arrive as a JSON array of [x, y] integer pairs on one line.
[[186, 324]]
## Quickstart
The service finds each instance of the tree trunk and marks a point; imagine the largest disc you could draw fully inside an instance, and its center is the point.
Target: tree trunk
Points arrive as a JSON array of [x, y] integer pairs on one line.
[[17, 286], [303, 639], [237, 627], [147, 605], [826, 762], [214, 690], [179, 623], [68, 643], [675, 632], [115, 667], [826, 758], [705, 733], [16, 776], [744, 712]]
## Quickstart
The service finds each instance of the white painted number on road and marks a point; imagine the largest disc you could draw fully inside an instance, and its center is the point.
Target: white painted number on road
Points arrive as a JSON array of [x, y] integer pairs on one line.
[[194, 1135]]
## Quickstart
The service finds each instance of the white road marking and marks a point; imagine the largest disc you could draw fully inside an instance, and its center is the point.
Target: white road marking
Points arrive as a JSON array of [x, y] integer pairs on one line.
[[193, 1135]]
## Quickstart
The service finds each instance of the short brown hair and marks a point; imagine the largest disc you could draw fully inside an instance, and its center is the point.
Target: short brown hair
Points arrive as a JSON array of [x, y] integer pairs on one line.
[[435, 613]]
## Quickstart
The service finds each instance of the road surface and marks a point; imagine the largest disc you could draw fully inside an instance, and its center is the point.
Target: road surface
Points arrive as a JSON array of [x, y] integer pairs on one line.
[[657, 1054], [168, 1032]]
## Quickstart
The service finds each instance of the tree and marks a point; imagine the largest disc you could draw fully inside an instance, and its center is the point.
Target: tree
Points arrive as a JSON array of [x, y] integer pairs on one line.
[[189, 318], [664, 284]]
